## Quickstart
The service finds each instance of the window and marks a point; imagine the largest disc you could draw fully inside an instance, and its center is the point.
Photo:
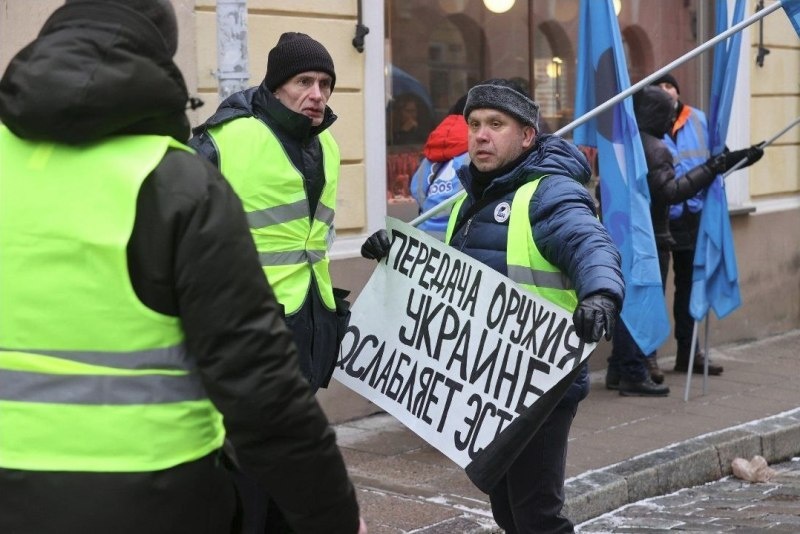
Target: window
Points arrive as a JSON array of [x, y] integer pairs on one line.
[[438, 49]]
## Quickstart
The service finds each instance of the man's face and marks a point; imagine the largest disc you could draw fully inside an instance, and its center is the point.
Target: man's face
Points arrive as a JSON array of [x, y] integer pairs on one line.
[[668, 87], [496, 138], [306, 93]]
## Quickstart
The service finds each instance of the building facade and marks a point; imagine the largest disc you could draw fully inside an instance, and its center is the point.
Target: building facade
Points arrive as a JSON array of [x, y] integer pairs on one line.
[[419, 56]]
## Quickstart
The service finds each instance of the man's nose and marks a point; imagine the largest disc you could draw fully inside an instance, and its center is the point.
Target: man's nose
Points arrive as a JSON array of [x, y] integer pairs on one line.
[[316, 91], [481, 133]]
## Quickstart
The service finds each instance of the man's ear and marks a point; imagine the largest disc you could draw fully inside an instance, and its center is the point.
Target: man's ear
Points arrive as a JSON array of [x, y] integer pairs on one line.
[[528, 136]]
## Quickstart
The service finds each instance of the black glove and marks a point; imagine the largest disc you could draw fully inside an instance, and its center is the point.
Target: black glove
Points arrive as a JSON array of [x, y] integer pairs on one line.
[[751, 155], [594, 315], [718, 164], [377, 246]]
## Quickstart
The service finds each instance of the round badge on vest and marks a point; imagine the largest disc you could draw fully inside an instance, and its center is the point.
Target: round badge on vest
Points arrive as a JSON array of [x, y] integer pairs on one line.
[[502, 212]]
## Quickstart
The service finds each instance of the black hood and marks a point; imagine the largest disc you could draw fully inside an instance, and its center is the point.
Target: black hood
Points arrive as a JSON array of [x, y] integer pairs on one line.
[[654, 110], [96, 69]]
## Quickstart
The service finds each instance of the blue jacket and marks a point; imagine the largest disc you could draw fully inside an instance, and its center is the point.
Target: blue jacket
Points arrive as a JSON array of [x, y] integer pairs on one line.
[[689, 147], [432, 184], [564, 221]]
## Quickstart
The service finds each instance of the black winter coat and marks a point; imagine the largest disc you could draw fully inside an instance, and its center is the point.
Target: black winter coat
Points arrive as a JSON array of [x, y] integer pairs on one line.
[[564, 221], [98, 70], [655, 113]]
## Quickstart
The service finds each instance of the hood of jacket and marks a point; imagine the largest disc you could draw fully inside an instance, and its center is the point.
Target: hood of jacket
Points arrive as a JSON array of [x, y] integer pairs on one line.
[[448, 139], [95, 69], [259, 102], [552, 155], [654, 110]]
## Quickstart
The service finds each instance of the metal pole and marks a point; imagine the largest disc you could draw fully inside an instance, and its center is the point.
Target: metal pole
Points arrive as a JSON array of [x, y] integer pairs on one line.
[[706, 355], [739, 163], [691, 364], [763, 145], [663, 70], [614, 100], [437, 208], [232, 74]]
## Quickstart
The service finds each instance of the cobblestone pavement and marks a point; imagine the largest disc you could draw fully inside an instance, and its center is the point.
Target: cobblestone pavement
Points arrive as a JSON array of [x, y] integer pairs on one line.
[[727, 505]]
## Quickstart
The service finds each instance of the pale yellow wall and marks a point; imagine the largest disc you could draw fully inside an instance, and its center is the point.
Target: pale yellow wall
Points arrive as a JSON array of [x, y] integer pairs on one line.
[[21, 20], [775, 102], [332, 23]]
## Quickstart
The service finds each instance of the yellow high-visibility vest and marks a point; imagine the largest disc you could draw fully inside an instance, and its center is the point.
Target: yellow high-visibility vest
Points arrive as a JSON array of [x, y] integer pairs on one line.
[[291, 244], [90, 378], [526, 265]]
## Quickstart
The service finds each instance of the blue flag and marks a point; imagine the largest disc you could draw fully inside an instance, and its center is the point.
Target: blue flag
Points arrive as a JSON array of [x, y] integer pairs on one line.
[[792, 10], [624, 194], [715, 280]]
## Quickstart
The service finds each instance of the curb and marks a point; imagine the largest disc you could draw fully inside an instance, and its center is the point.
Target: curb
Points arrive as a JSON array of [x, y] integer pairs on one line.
[[689, 463]]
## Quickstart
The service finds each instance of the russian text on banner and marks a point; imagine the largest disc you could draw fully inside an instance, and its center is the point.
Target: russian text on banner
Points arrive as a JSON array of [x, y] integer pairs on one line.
[[458, 353]]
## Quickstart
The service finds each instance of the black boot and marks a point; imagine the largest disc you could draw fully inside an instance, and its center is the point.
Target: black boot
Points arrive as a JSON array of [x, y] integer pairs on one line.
[[645, 388], [655, 371], [612, 379], [682, 363]]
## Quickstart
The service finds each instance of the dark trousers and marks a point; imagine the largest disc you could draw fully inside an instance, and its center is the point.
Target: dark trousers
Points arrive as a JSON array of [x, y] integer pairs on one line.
[[626, 359], [682, 267], [193, 498], [529, 497], [261, 514]]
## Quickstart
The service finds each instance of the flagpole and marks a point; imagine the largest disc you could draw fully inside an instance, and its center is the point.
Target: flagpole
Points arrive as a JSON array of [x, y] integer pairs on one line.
[[763, 145], [623, 95], [663, 70], [739, 163]]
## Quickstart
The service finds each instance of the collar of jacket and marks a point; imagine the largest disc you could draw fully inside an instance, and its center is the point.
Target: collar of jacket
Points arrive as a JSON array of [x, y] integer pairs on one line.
[[683, 112], [296, 125]]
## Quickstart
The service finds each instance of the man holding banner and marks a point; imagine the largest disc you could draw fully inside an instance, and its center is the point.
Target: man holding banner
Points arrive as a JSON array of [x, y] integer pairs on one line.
[[520, 185]]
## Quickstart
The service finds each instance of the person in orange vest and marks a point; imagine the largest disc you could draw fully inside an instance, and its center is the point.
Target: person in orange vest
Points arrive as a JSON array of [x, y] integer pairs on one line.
[[689, 144]]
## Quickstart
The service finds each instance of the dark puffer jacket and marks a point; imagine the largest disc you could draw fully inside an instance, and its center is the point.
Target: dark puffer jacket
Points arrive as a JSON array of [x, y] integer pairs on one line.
[[564, 222], [313, 325], [655, 113], [99, 69]]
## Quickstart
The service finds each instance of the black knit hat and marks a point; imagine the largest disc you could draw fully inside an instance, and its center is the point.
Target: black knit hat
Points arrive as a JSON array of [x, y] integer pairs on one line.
[[667, 78], [296, 53], [503, 95], [159, 12]]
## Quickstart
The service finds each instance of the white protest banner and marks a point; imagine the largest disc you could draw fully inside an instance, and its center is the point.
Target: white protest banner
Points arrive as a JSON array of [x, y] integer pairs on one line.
[[453, 349]]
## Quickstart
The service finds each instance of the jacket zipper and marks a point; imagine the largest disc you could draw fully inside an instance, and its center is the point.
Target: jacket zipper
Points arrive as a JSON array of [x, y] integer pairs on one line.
[[465, 233]]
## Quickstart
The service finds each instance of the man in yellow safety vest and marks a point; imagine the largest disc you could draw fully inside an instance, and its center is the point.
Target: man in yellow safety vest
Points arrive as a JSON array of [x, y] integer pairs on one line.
[[130, 349]]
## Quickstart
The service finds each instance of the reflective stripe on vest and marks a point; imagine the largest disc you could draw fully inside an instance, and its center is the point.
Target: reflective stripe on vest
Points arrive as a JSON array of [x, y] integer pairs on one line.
[[525, 264], [291, 245], [689, 149], [692, 147], [90, 378], [98, 385]]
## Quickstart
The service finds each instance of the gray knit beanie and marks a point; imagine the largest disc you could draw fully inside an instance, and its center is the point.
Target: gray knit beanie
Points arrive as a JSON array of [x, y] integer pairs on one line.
[[159, 12], [296, 53], [503, 95]]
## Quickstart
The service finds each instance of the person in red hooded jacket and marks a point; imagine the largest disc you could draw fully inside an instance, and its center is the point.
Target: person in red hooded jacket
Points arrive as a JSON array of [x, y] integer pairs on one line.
[[435, 179]]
